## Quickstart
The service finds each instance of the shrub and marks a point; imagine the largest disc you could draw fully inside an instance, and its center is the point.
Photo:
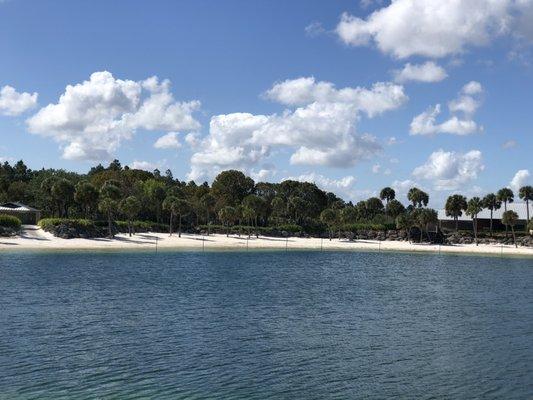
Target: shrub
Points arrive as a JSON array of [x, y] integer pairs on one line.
[[367, 227], [9, 221]]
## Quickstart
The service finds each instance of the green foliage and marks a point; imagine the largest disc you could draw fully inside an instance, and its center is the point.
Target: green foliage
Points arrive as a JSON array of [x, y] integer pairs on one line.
[[10, 221], [48, 223]]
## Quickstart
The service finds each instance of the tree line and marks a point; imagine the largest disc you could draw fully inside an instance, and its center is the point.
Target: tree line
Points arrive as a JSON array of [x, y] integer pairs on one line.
[[233, 199]]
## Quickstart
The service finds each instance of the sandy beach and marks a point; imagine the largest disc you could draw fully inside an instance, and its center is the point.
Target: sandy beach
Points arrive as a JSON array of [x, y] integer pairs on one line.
[[37, 239]]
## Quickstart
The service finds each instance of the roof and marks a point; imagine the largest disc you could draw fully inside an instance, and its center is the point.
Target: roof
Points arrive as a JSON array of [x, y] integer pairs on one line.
[[14, 206], [519, 208]]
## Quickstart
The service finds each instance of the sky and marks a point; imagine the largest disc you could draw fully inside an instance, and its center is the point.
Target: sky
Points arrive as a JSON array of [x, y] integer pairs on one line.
[[352, 95]]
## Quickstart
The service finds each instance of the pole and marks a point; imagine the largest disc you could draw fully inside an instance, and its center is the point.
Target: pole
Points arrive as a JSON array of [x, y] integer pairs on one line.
[[248, 238], [203, 243], [321, 244], [156, 239], [286, 243]]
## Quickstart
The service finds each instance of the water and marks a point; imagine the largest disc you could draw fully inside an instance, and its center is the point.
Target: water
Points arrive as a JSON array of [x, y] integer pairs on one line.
[[259, 325]]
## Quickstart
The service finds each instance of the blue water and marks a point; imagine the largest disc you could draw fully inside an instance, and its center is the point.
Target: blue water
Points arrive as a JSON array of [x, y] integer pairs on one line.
[[265, 325]]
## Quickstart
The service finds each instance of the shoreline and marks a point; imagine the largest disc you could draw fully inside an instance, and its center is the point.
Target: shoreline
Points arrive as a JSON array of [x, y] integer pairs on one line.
[[38, 240]]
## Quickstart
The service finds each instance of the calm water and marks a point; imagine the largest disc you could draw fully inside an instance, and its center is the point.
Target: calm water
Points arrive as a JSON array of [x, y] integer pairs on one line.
[[265, 325]]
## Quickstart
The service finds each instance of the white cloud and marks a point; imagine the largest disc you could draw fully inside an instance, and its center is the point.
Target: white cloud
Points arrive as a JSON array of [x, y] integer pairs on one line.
[[427, 72], [376, 168], [509, 144], [449, 170], [321, 130], [382, 97], [13, 103], [314, 29], [168, 141], [145, 165], [91, 119], [521, 178], [343, 187], [465, 104], [430, 28]]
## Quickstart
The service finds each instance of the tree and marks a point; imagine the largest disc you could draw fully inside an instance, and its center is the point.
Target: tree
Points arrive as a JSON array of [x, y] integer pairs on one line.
[[86, 196], [395, 208], [405, 221], [509, 218], [526, 194], [418, 197], [130, 207], [231, 187], [348, 215], [279, 208], [492, 203], [177, 207], [63, 193], [155, 190], [207, 201], [329, 217], [505, 195], [374, 206], [387, 194], [423, 217], [254, 206], [227, 215], [108, 204], [473, 208], [454, 207]]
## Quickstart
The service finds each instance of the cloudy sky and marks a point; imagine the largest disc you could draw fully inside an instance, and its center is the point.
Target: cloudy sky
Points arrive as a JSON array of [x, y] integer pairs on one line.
[[353, 95]]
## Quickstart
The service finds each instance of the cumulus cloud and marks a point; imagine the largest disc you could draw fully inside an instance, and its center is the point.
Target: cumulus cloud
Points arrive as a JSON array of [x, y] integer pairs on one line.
[[434, 29], [13, 103], [449, 170], [91, 119], [314, 29], [320, 130], [382, 97], [168, 141], [144, 165], [427, 72], [461, 120], [521, 178]]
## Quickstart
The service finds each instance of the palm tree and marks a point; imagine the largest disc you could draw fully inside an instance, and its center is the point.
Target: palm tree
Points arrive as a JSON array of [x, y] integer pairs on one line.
[[454, 207], [418, 197], [425, 217], [178, 207], [130, 207], [207, 201], [526, 194], [256, 206], [473, 208], [509, 218], [329, 217], [63, 192], [505, 195], [227, 215], [387, 194], [492, 203], [109, 196], [395, 208], [404, 221], [87, 196]]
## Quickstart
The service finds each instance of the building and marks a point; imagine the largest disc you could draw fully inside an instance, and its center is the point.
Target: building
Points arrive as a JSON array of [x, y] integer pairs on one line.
[[27, 215], [465, 221]]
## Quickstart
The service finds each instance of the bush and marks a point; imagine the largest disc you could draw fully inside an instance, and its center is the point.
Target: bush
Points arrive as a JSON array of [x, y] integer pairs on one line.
[[71, 228], [9, 221], [367, 227], [138, 226]]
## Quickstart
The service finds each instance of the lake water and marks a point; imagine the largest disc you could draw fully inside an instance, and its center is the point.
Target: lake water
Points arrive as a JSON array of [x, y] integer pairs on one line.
[[265, 325]]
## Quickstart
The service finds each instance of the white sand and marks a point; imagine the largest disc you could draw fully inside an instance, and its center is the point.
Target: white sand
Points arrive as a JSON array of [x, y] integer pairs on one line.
[[37, 239]]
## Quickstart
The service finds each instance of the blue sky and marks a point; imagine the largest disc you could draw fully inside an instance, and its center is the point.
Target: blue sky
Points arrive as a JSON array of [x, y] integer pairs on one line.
[[255, 85]]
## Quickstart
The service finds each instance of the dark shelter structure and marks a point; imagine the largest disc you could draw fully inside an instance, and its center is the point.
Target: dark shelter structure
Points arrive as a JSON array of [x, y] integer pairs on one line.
[[27, 215]]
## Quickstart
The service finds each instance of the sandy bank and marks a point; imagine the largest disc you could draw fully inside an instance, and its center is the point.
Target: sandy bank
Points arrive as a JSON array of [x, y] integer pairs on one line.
[[36, 239]]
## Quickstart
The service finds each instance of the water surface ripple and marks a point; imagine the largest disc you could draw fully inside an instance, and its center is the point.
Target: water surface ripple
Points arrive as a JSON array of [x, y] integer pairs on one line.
[[259, 325]]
